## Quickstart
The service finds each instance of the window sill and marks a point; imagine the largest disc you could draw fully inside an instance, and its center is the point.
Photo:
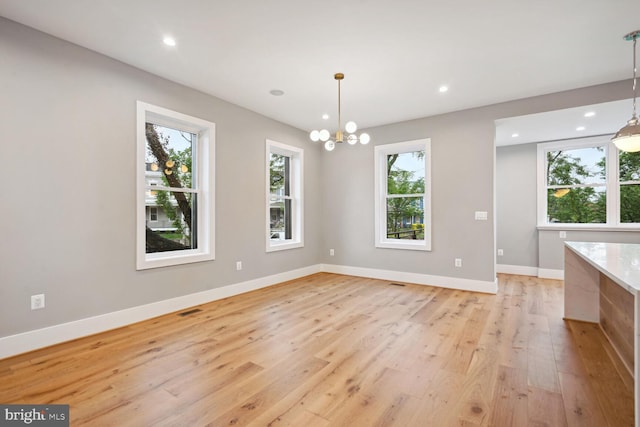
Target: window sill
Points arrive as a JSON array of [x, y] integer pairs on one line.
[[167, 259], [274, 247], [406, 245]]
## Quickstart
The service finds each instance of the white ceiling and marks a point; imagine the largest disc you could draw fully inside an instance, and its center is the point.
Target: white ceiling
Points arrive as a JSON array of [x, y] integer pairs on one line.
[[395, 54], [606, 118]]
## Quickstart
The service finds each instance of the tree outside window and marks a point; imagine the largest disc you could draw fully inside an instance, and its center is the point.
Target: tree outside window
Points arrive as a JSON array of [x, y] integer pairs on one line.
[[403, 195], [175, 188], [588, 182], [284, 185], [169, 154]]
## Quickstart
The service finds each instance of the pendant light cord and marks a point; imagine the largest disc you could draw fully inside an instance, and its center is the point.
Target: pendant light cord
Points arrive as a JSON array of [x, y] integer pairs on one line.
[[635, 39], [339, 124]]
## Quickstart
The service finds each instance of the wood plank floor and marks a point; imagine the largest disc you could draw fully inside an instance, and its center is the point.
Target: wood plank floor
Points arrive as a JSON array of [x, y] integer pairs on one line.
[[332, 350]]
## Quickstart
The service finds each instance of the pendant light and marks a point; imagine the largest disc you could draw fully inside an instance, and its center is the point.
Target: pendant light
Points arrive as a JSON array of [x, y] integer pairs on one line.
[[349, 133], [628, 138]]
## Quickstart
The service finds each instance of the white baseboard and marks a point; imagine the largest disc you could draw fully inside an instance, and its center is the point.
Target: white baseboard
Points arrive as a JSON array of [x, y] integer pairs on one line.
[[21, 343], [521, 270], [27, 341], [546, 273], [490, 287]]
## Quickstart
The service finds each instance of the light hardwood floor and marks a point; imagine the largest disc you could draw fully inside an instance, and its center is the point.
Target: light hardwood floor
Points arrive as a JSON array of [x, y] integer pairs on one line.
[[332, 350]]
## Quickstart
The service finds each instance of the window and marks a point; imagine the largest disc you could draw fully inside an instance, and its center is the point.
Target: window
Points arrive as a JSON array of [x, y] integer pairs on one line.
[[284, 183], [587, 183], [175, 192], [403, 195]]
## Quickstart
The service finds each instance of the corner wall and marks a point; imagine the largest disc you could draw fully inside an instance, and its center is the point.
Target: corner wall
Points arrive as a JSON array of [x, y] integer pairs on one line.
[[68, 155]]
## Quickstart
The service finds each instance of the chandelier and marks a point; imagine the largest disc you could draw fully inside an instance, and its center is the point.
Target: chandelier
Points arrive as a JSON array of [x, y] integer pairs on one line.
[[340, 136], [628, 138]]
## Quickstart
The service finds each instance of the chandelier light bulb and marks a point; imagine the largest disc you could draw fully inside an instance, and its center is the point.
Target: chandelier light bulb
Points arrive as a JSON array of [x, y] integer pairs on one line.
[[352, 139], [351, 127], [324, 135], [364, 138], [329, 145], [315, 135]]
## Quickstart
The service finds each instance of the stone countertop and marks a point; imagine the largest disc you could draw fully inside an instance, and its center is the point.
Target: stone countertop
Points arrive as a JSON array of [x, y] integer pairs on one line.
[[619, 261]]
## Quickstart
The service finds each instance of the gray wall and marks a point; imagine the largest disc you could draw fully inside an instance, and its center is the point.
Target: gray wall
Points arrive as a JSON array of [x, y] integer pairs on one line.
[[68, 153], [68, 150], [516, 232], [462, 183]]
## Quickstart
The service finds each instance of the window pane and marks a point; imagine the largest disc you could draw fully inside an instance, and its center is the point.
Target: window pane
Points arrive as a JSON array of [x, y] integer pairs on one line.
[[405, 173], [629, 166], [577, 205], [280, 218], [169, 154], [175, 228], [279, 174], [630, 203], [579, 166], [405, 217]]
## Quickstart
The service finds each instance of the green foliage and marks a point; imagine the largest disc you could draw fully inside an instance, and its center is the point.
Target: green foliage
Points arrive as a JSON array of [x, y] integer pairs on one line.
[[403, 209], [579, 204], [277, 164], [629, 193]]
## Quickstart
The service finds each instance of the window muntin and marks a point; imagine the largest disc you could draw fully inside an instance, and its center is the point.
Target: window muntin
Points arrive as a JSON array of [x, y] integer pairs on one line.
[[284, 196], [403, 195], [175, 154], [588, 183]]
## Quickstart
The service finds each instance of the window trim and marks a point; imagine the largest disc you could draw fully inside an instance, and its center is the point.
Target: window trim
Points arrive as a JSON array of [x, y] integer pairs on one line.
[[205, 188], [296, 181], [612, 185], [380, 157]]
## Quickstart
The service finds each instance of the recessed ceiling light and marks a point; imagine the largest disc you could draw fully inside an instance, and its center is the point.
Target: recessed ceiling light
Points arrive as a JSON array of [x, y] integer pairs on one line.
[[276, 92], [580, 128], [169, 41], [443, 89], [589, 114], [515, 135], [325, 116]]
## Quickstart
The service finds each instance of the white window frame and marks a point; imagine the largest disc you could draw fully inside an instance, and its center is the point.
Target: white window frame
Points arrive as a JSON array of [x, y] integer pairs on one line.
[[380, 168], [296, 180], [612, 184], [203, 184]]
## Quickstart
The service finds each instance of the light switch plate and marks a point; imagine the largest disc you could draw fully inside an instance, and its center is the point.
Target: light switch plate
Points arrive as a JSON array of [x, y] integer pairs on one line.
[[481, 215]]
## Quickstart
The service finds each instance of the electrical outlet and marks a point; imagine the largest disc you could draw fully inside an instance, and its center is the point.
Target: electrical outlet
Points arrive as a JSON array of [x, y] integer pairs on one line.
[[37, 302], [238, 265], [563, 234], [332, 252], [500, 252], [458, 262]]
